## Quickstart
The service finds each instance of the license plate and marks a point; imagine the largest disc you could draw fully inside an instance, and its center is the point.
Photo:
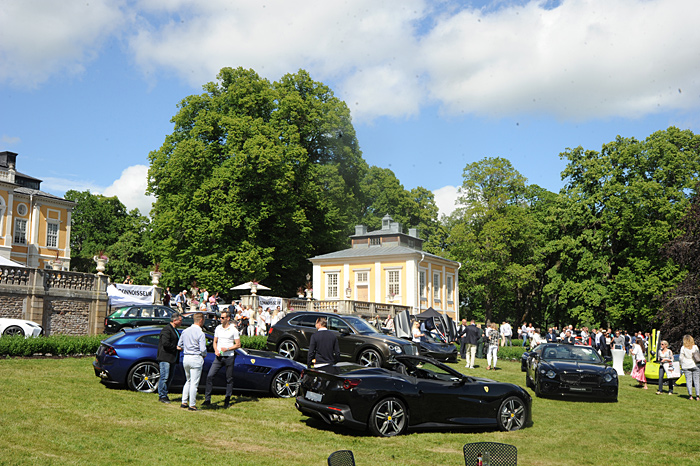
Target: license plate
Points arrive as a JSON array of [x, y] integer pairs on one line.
[[313, 396], [578, 389]]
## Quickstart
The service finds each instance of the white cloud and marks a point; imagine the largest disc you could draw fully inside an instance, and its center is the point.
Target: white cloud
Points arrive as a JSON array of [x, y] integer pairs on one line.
[[43, 38], [446, 199], [578, 60], [130, 188]]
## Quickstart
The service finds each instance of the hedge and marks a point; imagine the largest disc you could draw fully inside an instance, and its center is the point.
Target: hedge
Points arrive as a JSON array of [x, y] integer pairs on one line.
[[65, 345]]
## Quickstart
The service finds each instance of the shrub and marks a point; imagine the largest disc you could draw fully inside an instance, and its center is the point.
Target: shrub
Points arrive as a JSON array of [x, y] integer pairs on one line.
[[511, 352], [258, 342], [57, 345]]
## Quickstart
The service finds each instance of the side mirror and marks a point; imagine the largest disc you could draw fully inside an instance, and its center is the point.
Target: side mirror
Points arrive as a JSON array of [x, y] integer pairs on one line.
[[344, 331], [608, 358]]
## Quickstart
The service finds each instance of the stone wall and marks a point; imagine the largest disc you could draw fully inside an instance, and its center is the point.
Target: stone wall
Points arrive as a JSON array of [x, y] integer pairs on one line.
[[11, 306], [70, 303]]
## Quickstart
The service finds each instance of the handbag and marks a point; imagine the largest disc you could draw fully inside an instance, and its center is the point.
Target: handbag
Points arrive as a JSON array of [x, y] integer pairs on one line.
[[696, 357], [641, 363]]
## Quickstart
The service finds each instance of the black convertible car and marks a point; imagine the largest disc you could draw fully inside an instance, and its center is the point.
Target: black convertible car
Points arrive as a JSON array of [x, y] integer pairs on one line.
[[558, 369], [417, 393]]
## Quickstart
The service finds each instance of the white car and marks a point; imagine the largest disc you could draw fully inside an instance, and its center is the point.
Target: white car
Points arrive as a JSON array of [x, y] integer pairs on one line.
[[26, 328]]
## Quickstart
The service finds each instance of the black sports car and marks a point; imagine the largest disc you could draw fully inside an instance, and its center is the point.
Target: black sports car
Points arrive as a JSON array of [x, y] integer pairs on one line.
[[417, 393], [439, 350], [558, 369]]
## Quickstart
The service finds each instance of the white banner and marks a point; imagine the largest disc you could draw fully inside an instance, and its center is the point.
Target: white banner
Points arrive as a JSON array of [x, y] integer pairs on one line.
[[125, 295], [269, 302]]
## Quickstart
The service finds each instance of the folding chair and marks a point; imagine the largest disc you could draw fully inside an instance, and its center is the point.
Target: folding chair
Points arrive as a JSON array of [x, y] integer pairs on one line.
[[501, 454], [341, 458]]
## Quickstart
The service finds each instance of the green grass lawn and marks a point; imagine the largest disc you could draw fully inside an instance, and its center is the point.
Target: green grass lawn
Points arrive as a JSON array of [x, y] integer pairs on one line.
[[55, 411]]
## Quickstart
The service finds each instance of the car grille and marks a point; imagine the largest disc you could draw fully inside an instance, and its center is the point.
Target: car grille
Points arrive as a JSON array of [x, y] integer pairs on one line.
[[260, 369], [580, 379], [411, 350]]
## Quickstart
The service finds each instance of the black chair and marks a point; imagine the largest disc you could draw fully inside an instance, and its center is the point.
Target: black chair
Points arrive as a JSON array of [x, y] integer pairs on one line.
[[341, 458], [501, 453]]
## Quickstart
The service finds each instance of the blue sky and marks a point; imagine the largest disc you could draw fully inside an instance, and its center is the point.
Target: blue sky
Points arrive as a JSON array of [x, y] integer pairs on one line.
[[87, 89]]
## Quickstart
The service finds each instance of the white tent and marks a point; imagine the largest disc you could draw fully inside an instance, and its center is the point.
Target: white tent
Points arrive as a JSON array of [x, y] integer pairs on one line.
[[9, 263]]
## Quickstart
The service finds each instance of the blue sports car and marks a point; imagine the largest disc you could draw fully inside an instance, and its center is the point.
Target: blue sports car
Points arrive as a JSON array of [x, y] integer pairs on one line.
[[128, 358]]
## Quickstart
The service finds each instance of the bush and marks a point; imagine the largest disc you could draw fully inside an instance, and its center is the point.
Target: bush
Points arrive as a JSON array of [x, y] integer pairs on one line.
[[511, 352], [258, 342], [56, 345]]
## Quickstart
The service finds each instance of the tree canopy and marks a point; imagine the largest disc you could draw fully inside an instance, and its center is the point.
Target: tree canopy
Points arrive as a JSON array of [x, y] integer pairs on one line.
[[255, 178]]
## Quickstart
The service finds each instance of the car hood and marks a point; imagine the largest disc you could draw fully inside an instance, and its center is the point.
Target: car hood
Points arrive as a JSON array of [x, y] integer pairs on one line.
[[388, 339], [438, 347], [577, 366]]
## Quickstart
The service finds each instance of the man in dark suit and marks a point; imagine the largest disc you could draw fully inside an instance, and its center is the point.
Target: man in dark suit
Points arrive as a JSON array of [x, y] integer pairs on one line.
[[471, 338], [551, 337], [167, 355], [462, 337], [568, 338], [323, 347]]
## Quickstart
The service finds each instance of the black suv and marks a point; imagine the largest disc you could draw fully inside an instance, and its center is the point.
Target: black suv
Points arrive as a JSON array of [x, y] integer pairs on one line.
[[359, 341]]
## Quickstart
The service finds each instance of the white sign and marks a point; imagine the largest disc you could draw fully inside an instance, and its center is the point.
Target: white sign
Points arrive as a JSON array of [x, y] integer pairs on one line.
[[269, 302], [124, 295]]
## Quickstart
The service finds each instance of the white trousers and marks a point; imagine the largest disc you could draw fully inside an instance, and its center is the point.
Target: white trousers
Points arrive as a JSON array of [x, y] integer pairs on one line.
[[492, 353]]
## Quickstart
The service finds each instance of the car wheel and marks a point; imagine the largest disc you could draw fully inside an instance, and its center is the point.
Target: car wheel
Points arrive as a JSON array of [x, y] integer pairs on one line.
[[13, 330], [143, 377], [528, 382], [389, 417], [512, 414], [285, 384], [289, 349], [370, 358], [538, 392]]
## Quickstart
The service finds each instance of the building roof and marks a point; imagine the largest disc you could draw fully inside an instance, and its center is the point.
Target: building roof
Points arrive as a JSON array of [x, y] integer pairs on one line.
[[375, 251], [37, 192]]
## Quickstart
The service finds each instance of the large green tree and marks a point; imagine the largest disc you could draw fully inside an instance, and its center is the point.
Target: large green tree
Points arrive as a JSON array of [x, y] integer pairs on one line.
[[103, 224], [496, 238], [382, 193], [255, 178], [624, 204]]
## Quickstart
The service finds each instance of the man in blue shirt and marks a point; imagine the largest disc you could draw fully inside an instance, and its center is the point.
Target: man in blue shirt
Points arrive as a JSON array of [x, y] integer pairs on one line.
[[193, 345]]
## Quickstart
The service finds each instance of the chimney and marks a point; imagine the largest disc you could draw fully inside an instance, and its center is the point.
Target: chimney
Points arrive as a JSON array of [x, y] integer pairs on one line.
[[360, 230]]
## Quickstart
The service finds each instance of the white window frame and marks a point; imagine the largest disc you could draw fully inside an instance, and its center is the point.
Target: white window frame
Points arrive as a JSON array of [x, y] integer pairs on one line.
[[436, 286], [423, 284], [332, 287], [22, 230], [49, 236], [393, 283], [449, 288]]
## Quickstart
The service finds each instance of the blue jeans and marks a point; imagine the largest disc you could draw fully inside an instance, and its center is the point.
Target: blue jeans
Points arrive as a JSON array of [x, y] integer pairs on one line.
[[193, 372], [692, 377], [166, 376]]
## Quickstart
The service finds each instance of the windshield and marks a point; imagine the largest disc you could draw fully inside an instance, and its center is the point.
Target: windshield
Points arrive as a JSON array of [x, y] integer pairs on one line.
[[360, 325], [571, 353]]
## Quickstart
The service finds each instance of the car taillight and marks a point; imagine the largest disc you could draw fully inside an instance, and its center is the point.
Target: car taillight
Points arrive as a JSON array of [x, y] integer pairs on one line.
[[349, 384], [110, 351], [105, 321], [270, 331]]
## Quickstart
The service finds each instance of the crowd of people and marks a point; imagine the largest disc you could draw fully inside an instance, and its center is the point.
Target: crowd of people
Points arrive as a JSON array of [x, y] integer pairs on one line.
[[472, 337]]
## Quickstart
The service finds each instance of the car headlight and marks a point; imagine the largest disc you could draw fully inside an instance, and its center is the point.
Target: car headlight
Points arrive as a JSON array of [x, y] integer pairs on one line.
[[550, 373], [395, 349], [608, 377]]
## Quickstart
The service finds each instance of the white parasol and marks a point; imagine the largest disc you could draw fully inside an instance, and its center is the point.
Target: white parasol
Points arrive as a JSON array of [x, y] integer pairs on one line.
[[250, 286]]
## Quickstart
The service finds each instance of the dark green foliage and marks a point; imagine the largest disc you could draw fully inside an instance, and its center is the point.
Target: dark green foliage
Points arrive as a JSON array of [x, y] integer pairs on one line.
[[102, 224], [680, 313], [55, 345]]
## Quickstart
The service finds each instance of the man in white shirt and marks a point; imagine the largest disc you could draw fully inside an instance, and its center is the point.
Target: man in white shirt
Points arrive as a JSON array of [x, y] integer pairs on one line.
[[226, 341], [265, 316], [507, 333]]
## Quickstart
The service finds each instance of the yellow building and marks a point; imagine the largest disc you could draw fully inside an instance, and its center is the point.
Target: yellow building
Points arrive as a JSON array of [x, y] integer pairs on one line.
[[388, 266], [34, 225]]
